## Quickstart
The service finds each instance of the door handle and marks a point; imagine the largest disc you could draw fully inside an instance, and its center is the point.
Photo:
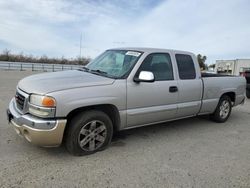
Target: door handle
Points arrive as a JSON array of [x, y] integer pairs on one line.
[[173, 89]]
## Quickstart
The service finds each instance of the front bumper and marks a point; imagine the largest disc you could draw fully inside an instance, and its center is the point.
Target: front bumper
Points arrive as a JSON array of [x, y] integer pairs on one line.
[[42, 132]]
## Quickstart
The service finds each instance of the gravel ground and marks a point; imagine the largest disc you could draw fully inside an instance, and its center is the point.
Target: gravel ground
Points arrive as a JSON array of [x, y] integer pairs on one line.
[[193, 152]]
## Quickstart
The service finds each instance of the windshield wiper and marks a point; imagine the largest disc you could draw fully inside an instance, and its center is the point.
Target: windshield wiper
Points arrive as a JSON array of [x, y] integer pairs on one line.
[[98, 71], [84, 69], [102, 73]]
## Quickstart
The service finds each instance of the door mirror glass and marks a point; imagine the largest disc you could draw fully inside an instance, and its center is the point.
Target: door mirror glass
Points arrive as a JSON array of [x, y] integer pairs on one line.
[[145, 76]]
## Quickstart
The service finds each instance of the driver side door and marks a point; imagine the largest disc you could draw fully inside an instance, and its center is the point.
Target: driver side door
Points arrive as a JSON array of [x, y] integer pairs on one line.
[[152, 102]]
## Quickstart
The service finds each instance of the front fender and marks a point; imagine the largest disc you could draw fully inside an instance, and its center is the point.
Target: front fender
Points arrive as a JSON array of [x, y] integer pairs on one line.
[[68, 100]]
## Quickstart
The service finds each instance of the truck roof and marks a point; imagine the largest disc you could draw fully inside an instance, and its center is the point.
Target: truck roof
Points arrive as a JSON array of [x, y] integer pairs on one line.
[[152, 50]]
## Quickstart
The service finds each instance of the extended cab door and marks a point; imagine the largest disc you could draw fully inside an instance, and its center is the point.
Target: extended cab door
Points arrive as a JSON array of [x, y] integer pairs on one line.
[[156, 101], [189, 85]]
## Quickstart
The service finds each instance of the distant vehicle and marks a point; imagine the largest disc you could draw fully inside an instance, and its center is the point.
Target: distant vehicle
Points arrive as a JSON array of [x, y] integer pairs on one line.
[[121, 89], [208, 71], [247, 76]]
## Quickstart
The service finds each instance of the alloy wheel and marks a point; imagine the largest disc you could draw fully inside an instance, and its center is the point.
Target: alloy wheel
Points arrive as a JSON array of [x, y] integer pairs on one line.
[[92, 135]]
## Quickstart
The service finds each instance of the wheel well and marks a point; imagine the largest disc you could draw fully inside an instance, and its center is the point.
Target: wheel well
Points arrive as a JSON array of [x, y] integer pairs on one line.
[[231, 95], [109, 109]]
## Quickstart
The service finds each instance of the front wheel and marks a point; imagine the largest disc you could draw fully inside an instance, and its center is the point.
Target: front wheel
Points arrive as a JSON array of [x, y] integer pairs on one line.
[[223, 110], [88, 132]]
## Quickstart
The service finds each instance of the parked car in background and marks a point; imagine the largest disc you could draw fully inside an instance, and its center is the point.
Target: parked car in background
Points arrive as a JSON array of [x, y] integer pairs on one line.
[[121, 89], [247, 76]]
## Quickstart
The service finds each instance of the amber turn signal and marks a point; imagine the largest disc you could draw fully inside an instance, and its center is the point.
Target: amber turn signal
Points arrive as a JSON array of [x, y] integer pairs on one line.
[[48, 102]]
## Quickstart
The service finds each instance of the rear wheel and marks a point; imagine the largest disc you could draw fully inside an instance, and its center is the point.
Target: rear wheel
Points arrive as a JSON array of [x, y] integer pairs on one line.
[[88, 132], [223, 110]]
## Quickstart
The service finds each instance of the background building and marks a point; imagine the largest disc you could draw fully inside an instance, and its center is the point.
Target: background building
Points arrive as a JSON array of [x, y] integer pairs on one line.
[[232, 67]]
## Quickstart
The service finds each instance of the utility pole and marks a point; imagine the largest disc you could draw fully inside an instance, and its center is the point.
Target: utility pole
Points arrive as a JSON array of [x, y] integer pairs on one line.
[[81, 46], [119, 43]]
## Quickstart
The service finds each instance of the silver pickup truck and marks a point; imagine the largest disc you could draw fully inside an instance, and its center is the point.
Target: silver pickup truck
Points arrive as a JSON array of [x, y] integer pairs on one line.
[[121, 89]]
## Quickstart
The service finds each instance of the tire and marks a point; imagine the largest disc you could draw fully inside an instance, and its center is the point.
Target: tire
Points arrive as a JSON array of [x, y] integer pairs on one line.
[[88, 132], [223, 110], [248, 93]]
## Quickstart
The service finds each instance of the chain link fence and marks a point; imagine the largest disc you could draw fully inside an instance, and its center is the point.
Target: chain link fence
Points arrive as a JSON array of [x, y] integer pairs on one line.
[[4, 65]]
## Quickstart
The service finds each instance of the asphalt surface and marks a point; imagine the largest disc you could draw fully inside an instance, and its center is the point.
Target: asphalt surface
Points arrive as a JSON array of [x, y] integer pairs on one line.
[[193, 152]]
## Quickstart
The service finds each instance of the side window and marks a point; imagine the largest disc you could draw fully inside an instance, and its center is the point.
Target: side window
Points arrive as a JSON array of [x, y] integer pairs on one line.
[[185, 66], [160, 64]]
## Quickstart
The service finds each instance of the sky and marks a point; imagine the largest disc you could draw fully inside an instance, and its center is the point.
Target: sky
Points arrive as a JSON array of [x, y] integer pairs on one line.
[[217, 29]]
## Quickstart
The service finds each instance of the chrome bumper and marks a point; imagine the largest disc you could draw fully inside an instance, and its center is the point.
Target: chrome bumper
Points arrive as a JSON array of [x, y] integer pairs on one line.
[[42, 132]]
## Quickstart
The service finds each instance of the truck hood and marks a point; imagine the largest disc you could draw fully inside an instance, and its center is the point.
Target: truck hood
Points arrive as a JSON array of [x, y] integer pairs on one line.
[[50, 82]]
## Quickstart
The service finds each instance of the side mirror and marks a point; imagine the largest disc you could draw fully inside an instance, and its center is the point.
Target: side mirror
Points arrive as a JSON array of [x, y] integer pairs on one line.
[[145, 76]]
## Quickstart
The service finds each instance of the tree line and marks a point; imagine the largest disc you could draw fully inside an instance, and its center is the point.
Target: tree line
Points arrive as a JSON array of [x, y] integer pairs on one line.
[[201, 60], [6, 55]]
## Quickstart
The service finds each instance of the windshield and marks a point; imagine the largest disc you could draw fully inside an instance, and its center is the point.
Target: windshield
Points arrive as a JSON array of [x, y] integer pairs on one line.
[[114, 63]]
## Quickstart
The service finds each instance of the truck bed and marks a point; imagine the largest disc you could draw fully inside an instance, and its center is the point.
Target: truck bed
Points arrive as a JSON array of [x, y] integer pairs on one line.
[[214, 85]]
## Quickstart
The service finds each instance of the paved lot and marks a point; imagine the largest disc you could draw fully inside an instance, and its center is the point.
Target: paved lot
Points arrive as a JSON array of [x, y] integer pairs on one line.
[[187, 153]]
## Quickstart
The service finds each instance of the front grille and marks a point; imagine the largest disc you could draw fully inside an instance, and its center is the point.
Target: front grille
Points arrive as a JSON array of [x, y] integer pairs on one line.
[[20, 99]]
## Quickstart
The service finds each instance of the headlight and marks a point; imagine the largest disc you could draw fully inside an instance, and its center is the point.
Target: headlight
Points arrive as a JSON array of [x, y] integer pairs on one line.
[[44, 101], [42, 106]]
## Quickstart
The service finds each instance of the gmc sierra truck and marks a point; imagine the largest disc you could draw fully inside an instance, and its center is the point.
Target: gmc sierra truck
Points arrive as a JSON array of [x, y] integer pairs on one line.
[[121, 89]]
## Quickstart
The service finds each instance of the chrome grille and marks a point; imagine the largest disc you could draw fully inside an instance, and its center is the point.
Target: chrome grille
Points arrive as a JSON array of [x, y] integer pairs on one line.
[[20, 100]]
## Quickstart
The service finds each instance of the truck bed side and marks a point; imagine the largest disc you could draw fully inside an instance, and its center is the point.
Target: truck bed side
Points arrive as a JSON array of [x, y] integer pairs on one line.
[[215, 87]]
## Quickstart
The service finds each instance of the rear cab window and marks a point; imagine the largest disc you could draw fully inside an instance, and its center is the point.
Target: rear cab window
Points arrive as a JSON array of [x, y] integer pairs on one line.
[[185, 66]]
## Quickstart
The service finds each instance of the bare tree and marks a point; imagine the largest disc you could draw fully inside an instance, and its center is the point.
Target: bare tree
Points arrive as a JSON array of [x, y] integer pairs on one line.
[[201, 60]]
